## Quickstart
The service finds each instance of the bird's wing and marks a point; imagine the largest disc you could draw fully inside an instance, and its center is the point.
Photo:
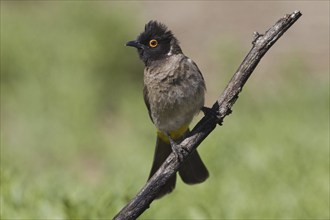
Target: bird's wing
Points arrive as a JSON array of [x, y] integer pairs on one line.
[[146, 100]]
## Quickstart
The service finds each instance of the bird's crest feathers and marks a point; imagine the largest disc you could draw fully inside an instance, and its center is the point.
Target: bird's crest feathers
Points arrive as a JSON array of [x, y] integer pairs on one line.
[[157, 30]]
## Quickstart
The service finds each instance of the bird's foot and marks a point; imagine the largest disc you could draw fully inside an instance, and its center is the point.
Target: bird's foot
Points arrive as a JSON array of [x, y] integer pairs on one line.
[[209, 112], [177, 150]]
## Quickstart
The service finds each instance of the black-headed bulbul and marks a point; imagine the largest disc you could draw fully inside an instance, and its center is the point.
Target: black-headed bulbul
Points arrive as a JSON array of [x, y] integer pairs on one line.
[[174, 91]]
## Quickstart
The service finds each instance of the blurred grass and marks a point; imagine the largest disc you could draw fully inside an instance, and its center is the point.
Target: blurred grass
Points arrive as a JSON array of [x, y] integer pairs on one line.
[[77, 143]]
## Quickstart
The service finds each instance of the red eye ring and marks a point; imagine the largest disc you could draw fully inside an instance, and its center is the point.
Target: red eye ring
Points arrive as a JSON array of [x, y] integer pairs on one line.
[[153, 43]]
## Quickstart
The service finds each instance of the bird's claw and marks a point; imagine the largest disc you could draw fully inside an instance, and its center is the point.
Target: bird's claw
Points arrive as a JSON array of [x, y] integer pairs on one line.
[[209, 112], [177, 150]]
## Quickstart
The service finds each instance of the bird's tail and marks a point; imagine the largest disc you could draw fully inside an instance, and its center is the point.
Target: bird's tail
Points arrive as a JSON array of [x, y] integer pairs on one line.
[[162, 151], [192, 171]]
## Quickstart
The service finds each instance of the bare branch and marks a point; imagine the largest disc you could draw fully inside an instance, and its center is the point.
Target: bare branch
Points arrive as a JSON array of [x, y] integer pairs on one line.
[[261, 44]]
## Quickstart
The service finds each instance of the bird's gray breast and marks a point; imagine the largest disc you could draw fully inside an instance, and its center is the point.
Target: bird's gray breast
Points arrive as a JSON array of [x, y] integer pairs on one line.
[[174, 92]]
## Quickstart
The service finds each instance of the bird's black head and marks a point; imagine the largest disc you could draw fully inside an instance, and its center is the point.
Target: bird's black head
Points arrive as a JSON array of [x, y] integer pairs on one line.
[[155, 43]]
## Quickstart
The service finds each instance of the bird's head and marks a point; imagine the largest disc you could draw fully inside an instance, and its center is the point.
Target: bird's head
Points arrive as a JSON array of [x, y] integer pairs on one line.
[[155, 43]]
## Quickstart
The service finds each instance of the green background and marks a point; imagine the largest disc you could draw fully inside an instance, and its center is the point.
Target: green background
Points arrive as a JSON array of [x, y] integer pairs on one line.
[[77, 142]]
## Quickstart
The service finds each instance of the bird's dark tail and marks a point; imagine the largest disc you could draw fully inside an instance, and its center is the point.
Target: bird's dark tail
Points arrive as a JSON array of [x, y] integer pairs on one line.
[[192, 171], [162, 151]]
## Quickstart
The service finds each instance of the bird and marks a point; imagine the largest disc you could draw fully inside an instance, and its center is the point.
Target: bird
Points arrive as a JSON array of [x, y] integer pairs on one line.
[[174, 92]]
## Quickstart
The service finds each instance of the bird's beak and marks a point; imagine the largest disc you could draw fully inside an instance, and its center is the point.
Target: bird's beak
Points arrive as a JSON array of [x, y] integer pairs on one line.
[[135, 43]]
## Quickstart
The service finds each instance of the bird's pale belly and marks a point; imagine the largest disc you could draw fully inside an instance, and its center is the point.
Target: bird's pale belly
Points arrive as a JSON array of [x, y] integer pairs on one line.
[[175, 108]]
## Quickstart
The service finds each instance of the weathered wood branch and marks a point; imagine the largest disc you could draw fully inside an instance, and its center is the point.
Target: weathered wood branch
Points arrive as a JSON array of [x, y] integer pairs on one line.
[[261, 44]]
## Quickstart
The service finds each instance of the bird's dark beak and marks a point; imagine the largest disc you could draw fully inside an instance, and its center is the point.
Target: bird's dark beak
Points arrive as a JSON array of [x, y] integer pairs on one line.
[[135, 43]]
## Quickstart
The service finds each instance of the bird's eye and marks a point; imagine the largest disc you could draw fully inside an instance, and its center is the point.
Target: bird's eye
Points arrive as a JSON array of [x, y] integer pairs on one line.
[[153, 43]]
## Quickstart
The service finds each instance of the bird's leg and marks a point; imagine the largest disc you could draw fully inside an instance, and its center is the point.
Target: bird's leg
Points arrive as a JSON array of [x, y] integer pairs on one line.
[[177, 150], [209, 112]]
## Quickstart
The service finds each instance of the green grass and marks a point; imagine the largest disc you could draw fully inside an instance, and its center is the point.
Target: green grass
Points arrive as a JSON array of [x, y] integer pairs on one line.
[[77, 142]]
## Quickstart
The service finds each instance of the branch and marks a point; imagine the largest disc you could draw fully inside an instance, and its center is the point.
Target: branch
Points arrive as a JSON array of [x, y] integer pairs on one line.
[[261, 44]]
